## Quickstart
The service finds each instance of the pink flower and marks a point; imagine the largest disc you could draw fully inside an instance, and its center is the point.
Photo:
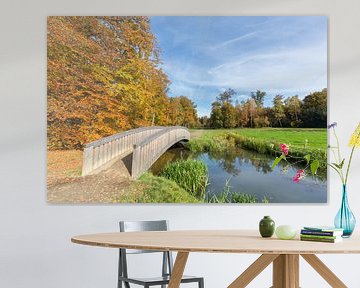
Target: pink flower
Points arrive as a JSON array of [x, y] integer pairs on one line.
[[299, 175], [284, 148]]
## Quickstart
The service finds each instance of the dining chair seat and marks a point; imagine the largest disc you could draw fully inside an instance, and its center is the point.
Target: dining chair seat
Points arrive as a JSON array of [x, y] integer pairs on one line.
[[152, 281]]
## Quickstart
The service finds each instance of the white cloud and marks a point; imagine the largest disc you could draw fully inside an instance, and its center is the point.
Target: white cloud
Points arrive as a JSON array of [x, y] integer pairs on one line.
[[235, 40], [285, 70], [295, 69]]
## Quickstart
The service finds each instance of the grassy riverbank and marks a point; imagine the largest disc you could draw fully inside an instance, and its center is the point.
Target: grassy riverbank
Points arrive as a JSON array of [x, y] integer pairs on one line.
[[264, 140], [153, 189]]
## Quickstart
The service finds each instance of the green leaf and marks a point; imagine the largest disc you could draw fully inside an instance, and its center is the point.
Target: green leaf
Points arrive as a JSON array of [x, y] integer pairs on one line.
[[336, 165], [314, 166], [342, 163], [339, 166], [307, 158], [277, 161]]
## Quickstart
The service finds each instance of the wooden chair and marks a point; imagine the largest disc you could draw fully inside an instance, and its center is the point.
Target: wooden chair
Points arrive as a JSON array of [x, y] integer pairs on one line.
[[167, 262]]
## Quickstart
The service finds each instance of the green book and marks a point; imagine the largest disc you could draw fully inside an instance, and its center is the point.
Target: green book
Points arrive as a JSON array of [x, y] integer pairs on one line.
[[319, 236], [325, 240]]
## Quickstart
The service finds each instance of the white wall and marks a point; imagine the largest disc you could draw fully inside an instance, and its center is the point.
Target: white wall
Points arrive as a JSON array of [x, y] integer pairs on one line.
[[35, 248]]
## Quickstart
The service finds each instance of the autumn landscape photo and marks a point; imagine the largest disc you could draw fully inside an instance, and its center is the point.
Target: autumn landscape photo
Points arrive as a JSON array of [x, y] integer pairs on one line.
[[180, 109]]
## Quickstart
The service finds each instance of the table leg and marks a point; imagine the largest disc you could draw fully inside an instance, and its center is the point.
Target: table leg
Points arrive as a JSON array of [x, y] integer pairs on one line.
[[253, 270], [286, 271], [324, 271], [178, 270]]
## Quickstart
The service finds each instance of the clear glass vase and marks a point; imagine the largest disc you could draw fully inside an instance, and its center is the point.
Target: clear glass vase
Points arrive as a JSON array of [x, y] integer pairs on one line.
[[345, 219]]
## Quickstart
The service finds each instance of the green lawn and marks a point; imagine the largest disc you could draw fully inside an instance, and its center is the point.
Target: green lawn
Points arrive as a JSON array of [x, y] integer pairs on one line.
[[296, 137]]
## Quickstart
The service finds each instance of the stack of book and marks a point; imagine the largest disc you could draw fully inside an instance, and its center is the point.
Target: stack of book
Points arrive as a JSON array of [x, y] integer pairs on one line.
[[321, 234]]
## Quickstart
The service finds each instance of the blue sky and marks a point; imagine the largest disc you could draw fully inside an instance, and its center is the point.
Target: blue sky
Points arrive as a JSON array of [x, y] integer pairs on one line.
[[205, 55]]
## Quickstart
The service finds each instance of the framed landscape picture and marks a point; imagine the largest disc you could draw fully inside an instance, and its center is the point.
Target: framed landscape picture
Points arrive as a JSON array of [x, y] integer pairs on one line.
[[180, 109]]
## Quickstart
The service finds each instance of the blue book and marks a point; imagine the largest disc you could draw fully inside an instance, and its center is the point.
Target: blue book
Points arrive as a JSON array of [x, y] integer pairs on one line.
[[322, 231]]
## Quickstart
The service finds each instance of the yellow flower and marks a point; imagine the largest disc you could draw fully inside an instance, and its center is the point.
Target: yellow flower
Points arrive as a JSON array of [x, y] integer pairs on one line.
[[355, 138]]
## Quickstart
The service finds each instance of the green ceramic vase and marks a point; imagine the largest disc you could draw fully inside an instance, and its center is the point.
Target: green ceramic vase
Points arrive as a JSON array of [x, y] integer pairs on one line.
[[266, 227]]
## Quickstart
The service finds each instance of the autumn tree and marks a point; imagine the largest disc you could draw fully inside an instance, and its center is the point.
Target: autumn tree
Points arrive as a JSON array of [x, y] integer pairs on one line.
[[314, 109], [104, 77], [204, 121], [216, 117], [259, 97], [223, 113], [292, 110], [241, 115], [228, 112], [252, 111], [278, 108], [226, 96], [183, 112]]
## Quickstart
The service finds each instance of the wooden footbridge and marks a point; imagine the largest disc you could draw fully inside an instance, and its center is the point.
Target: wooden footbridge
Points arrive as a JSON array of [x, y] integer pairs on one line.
[[145, 144]]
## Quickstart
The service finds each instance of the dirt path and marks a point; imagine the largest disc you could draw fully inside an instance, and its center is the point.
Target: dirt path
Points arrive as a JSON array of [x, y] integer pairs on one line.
[[104, 187]]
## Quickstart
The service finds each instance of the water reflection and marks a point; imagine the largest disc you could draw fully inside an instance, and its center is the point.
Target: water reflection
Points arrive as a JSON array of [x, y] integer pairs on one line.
[[232, 160], [250, 172]]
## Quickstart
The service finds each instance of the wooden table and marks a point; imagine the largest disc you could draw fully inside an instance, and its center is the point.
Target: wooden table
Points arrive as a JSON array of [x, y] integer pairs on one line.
[[284, 254]]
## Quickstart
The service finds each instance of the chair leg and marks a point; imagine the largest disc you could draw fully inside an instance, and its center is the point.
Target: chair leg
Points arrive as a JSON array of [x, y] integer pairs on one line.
[[201, 283]]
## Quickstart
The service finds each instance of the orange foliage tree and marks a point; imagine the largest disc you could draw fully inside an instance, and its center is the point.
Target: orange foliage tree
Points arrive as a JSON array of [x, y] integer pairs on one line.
[[104, 77]]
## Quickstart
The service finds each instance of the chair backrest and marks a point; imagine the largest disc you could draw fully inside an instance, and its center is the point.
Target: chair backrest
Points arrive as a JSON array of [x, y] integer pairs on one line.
[[134, 226]]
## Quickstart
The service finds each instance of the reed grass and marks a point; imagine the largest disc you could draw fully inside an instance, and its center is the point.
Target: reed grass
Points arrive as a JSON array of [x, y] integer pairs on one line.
[[191, 175], [232, 197], [227, 196]]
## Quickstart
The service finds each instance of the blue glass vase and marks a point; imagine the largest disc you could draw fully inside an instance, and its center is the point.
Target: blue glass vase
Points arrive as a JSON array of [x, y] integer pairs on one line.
[[345, 219]]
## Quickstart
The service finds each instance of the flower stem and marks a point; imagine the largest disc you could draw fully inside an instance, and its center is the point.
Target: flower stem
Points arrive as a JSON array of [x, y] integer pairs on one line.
[[338, 146], [337, 171], [351, 155], [339, 160], [348, 167]]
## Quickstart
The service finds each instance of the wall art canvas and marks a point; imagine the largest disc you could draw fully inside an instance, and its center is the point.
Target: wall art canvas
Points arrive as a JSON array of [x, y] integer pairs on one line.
[[180, 109]]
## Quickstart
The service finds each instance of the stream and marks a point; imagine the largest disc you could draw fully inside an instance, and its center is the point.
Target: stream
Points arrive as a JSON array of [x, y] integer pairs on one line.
[[250, 172]]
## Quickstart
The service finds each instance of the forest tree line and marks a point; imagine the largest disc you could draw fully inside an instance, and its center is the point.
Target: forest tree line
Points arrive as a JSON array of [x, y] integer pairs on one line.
[[104, 77], [310, 112]]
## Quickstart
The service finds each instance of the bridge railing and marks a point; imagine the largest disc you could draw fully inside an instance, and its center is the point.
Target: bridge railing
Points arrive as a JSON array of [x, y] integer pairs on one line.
[[106, 150], [148, 151]]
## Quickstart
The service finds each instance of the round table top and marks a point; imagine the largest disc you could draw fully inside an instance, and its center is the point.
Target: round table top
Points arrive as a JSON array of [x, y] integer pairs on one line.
[[220, 241]]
